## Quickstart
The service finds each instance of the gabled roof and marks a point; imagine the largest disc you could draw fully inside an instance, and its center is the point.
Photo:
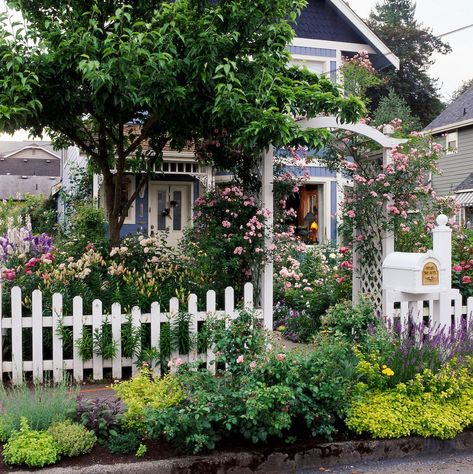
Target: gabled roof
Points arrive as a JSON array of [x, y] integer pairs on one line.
[[334, 20], [466, 184], [8, 147], [33, 147], [458, 114]]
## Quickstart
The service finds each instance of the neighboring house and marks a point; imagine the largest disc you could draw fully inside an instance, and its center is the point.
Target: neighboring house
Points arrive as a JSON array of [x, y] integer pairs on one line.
[[327, 31], [453, 128], [28, 167]]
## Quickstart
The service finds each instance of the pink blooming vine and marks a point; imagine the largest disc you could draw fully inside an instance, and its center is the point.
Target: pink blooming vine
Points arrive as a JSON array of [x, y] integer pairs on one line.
[[387, 198]]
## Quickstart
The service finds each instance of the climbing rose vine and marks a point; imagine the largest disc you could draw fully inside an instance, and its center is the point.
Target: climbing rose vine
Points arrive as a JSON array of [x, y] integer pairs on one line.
[[392, 197]]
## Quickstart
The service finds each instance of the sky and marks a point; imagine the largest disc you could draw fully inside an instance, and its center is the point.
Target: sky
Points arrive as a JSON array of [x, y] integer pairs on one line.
[[442, 16]]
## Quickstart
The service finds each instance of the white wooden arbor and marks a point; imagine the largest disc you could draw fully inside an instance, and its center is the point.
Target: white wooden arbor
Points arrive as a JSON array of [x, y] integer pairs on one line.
[[360, 285]]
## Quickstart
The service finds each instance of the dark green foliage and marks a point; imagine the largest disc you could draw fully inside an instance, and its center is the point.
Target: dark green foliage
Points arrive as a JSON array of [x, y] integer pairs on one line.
[[394, 107], [351, 322], [131, 337], [85, 344], [124, 442], [260, 395], [104, 345], [181, 333], [87, 225], [414, 44], [211, 73]]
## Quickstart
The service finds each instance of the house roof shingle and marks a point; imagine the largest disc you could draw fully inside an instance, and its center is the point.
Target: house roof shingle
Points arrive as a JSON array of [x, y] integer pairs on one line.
[[467, 183], [320, 20], [459, 110]]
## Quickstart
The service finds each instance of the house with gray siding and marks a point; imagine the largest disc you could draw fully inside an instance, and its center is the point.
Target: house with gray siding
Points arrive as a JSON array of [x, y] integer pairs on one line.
[[28, 167], [326, 32], [453, 128]]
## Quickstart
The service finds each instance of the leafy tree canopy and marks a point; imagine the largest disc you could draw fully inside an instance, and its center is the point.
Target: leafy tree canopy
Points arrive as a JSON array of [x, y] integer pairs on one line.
[[393, 21], [184, 71]]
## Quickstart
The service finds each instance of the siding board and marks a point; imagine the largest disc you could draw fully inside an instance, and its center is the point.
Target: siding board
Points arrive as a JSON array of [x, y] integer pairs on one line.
[[457, 166]]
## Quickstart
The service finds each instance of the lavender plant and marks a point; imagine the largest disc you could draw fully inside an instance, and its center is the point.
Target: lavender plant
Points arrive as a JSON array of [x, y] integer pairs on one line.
[[419, 346]]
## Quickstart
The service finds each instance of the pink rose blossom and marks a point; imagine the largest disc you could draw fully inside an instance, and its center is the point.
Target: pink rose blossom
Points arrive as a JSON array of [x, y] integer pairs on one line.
[[240, 359], [280, 356]]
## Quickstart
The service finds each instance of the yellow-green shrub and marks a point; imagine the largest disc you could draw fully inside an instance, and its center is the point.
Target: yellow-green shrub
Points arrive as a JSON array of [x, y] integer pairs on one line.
[[143, 392], [431, 405], [73, 439], [30, 447]]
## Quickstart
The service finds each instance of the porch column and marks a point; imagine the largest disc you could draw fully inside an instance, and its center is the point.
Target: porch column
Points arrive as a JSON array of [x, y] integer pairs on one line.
[[267, 202]]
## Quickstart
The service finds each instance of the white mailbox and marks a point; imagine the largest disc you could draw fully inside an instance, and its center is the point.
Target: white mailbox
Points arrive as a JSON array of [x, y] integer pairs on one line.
[[414, 272]]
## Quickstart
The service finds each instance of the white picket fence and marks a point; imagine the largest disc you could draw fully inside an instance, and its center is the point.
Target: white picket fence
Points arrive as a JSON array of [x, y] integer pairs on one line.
[[17, 366], [419, 310]]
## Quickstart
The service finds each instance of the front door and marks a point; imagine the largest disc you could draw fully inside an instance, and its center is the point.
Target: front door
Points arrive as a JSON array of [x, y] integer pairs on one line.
[[170, 210]]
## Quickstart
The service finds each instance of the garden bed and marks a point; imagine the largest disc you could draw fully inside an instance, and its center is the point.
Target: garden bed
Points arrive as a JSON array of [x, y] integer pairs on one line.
[[280, 458]]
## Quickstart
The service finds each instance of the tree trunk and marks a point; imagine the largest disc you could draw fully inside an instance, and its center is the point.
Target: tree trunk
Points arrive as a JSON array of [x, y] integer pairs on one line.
[[112, 212]]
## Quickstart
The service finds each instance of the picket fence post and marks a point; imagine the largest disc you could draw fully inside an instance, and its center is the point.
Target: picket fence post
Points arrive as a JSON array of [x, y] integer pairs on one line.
[[136, 325], [211, 307], [192, 310], [117, 339], [97, 319], [37, 329], [57, 340], [156, 332], [16, 336], [173, 312], [77, 333]]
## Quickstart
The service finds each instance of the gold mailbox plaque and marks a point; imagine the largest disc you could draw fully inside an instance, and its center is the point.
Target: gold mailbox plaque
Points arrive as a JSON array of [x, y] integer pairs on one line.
[[430, 274]]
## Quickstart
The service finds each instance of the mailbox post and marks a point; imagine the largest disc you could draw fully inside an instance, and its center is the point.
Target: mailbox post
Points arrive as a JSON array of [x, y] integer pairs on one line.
[[412, 278]]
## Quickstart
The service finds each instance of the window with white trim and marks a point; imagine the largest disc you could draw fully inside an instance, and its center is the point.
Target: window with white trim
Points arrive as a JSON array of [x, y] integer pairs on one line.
[[451, 142], [311, 64]]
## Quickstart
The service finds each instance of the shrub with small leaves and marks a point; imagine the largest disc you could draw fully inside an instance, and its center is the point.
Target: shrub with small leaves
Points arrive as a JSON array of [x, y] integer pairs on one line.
[[100, 416], [144, 392], [72, 438], [141, 451], [124, 443], [31, 448]]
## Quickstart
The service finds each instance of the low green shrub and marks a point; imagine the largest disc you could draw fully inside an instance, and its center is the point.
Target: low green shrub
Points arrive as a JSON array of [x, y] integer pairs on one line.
[[31, 448], [351, 322], [261, 394], [436, 405], [41, 406], [124, 443], [100, 416], [143, 392], [73, 439]]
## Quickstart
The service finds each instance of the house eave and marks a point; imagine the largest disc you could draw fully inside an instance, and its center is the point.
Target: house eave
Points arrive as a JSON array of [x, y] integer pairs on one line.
[[366, 32], [450, 126]]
